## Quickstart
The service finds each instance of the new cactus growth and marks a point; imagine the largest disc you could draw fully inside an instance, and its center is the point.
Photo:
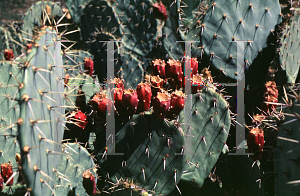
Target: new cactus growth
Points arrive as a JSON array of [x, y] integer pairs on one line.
[[255, 143]]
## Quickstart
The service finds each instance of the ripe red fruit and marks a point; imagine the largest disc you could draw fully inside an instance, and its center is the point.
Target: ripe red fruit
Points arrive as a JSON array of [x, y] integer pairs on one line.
[[130, 101], [177, 102], [8, 54], [67, 77], [159, 11], [6, 171], [99, 103], [119, 83], [29, 46], [194, 64], [197, 83], [89, 65], [255, 143], [144, 96], [89, 183], [156, 84], [161, 104], [174, 73], [1, 183], [118, 95], [158, 68], [81, 119]]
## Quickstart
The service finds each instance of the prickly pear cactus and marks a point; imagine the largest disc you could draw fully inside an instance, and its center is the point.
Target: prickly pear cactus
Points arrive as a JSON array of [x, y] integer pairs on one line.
[[151, 157], [206, 131], [289, 58], [40, 13], [228, 21], [40, 133], [286, 154]]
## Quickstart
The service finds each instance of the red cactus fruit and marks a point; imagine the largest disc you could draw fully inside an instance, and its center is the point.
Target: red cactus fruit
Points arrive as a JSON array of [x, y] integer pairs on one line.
[[197, 80], [177, 102], [119, 83], [6, 171], [89, 65], [118, 95], [130, 101], [159, 11], [271, 95], [255, 143], [8, 54], [1, 183], [144, 95], [156, 84], [67, 77], [81, 119], [161, 104], [99, 103], [158, 68], [89, 183], [174, 73], [194, 65], [29, 46]]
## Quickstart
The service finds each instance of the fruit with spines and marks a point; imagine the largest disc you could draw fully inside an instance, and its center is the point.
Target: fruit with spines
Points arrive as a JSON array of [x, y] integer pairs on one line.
[[197, 83], [174, 73], [156, 84], [7, 172], [158, 68], [255, 142], [79, 118], [8, 54], [89, 182], [177, 102], [99, 103], [159, 11], [89, 65], [130, 101], [161, 104], [144, 95]]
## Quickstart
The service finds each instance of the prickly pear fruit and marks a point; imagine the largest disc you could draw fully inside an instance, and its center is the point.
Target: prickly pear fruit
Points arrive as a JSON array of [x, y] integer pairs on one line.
[[29, 46], [89, 183], [6, 171], [177, 102], [161, 104], [8, 54], [66, 79], [144, 95], [118, 95], [194, 64], [99, 104], [80, 119], [130, 101], [197, 83], [119, 83], [174, 73], [89, 65], [158, 68], [1, 183], [271, 95], [156, 84], [255, 143], [159, 11]]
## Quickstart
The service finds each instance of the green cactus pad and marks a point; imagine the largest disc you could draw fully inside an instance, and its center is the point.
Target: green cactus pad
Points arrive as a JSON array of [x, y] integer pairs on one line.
[[144, 132], [286, 155], [72, 168], [40, 133], [35, 16], [16, 190], [289, 57], [206, 133], [244, 20]]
